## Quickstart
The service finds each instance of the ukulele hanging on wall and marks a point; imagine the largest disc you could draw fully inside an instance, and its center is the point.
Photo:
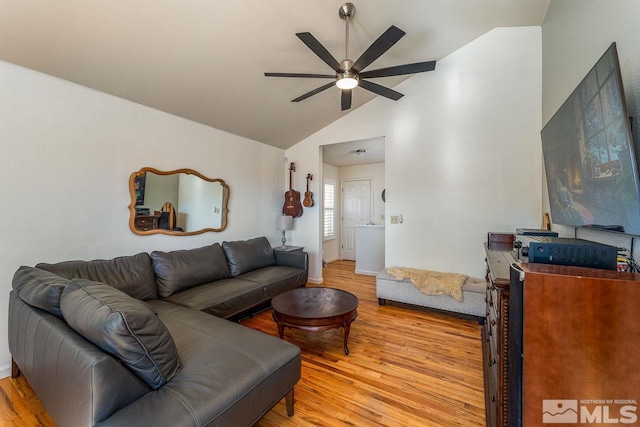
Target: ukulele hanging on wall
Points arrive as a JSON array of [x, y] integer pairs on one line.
[[292, 204], [308, 195]]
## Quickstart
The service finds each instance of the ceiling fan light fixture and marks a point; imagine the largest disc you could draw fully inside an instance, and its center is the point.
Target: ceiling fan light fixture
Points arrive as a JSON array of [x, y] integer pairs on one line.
[[347, 81]]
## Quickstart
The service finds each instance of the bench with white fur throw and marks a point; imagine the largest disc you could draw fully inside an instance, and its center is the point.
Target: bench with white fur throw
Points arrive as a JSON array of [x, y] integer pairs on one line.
[[449, 292]]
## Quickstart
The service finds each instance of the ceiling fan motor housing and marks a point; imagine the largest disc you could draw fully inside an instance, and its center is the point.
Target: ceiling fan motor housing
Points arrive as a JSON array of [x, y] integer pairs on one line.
[[346, 65], [347, 79]]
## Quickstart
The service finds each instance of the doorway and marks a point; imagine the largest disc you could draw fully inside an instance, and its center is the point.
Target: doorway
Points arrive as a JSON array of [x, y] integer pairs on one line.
[[356, 210], [349, 163]]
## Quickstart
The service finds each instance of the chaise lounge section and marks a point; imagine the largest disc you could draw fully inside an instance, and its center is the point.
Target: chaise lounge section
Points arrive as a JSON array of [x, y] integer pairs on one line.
[[132, 341]]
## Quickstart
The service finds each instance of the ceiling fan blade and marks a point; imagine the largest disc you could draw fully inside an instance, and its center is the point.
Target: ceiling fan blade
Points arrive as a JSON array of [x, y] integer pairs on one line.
[[378, 47], [301, 75], [317, 48], [313, 92], [345, 100], [399, 70], [380, 90]]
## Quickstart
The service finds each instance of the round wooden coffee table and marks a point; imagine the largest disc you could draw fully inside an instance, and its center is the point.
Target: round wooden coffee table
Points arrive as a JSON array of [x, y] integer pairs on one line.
[[315, 309]]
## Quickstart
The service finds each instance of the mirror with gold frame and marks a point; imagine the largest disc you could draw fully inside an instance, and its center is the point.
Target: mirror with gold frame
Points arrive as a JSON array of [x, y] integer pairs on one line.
[[181, 202]]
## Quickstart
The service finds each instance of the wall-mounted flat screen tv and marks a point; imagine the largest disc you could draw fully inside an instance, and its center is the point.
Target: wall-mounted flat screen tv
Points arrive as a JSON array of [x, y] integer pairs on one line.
[[589, 154]]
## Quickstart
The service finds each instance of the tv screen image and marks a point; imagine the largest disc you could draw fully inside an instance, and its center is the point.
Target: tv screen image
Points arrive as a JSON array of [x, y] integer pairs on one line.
[[589, 154]]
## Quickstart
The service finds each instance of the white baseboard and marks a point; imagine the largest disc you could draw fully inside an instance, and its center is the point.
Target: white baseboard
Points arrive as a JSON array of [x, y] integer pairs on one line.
[[5, 371], [315, 281], [367, 273], [332, 259]]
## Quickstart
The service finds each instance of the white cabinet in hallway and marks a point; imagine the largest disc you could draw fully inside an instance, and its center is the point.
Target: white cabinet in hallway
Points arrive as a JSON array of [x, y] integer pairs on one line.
[[370, 249]]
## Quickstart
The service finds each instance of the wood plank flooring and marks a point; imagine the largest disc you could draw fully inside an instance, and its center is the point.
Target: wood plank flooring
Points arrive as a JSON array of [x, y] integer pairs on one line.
[[19, 406], [406, 367]]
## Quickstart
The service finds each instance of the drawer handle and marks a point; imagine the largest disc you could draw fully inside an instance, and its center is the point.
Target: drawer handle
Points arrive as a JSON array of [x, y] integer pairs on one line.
[[493, 322], [493, 399]]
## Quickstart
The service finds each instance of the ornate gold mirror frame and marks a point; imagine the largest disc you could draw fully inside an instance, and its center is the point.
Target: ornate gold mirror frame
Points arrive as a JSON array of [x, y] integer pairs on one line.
[[181, 202]]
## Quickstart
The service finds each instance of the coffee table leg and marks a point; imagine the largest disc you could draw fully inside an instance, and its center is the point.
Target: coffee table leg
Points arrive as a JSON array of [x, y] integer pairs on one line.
[[281, 329], [347, 327], [279, 324]]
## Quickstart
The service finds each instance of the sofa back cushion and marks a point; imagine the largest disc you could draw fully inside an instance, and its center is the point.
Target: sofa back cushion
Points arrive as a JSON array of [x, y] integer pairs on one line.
[[132, 275], [39, 288], [123, 327], [247, 255], [178, 270]]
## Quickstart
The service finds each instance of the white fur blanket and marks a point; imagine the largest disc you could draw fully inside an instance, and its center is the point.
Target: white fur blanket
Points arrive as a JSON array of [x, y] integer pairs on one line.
[[431, 282]]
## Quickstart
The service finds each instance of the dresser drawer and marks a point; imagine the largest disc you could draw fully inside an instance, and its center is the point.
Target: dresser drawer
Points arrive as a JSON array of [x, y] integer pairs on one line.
[[146, 222]]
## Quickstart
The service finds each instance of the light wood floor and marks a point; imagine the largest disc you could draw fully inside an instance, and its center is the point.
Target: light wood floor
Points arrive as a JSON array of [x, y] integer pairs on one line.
[[406, 367]]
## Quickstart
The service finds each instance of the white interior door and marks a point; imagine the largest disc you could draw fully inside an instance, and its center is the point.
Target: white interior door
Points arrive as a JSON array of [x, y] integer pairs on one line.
[[356, 209]]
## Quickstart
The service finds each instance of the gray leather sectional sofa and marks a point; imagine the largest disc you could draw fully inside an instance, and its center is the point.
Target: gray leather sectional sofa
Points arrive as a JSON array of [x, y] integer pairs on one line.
[[142, 340]]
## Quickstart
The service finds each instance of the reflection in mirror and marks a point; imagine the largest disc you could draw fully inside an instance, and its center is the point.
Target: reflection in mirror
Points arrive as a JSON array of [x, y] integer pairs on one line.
[[182, 202]]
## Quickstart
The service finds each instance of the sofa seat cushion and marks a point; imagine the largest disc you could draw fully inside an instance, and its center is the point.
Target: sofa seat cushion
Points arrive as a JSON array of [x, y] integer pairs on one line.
[[39, 288], [276, 279], [178, 270], [230, 374], [122, 326], [133, 275], [247, 255], [222, 298]]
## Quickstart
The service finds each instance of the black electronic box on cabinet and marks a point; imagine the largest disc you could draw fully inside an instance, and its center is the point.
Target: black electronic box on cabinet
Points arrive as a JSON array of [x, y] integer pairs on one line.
[[568, 251]]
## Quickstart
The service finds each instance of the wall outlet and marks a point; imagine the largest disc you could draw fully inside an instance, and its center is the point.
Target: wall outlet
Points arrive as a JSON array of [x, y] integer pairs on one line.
[[394, 219], [382, 217]]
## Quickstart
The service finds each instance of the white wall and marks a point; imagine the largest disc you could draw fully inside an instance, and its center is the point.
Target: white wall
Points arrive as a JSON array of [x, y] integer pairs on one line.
[[575, 34], [462, 151], [66, 156], [200, 203]]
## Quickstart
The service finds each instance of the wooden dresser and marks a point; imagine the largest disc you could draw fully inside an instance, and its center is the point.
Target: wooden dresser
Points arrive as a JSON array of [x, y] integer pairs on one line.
[[146, 222], [559, 341], [495, 334]]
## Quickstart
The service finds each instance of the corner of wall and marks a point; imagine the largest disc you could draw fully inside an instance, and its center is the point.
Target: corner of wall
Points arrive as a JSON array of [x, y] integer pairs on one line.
[[5, 371]]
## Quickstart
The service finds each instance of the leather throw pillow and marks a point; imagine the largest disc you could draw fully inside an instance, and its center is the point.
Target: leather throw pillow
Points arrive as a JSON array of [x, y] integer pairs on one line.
[[39, 288], [248, 255], [123, 327]]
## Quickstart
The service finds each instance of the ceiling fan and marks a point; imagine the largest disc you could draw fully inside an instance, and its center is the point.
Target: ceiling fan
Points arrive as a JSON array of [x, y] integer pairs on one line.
[[350, 74]]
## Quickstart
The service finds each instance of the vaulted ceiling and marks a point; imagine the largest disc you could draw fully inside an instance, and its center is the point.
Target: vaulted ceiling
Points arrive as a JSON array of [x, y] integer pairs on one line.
[[205, 60]]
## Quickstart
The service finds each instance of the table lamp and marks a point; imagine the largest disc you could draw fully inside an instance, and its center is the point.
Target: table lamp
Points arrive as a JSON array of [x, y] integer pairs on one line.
[[285, 222]]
